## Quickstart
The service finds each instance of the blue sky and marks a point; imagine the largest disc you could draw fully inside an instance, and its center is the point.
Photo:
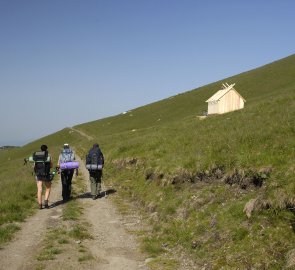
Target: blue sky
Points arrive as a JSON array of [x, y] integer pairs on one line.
[[66, 62]]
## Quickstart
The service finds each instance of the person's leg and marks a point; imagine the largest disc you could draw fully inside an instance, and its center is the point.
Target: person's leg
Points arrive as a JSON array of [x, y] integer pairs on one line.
[[39, 193], [63, 178], [66, 186], [47, 192], [98, 180], [93, 185], [69, 187]]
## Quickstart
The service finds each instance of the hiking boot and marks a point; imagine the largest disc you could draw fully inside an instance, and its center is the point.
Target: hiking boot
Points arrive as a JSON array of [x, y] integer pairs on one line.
[[46, 204], [40, 206]]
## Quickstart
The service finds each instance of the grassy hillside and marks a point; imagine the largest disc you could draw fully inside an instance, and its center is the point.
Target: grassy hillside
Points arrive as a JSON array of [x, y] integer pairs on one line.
[[192, 178]]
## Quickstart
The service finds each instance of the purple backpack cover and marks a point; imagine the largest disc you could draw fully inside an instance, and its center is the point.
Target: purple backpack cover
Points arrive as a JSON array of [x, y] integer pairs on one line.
[[69, 165]]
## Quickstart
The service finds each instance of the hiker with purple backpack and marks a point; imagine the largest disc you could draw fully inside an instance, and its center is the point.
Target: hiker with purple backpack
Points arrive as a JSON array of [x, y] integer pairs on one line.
[[66, 166]]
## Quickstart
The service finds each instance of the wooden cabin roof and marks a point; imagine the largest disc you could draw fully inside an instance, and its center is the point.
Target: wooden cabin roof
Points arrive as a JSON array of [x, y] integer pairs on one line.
[[219, 94]]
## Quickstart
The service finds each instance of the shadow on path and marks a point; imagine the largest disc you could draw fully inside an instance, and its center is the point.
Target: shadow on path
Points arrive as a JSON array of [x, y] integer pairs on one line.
[[86, 195], [57, 203], [102, 194]]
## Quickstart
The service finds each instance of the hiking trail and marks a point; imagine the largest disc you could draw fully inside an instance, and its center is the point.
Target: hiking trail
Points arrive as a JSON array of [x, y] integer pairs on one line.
[[112, 247], [83, 134]]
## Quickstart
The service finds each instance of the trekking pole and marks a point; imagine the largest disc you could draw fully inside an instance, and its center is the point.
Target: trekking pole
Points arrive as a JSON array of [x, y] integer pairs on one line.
[[25, 161]]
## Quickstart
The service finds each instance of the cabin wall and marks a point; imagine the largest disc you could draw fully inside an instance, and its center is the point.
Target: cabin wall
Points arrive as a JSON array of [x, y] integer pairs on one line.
[[231, 101], [212, 107]]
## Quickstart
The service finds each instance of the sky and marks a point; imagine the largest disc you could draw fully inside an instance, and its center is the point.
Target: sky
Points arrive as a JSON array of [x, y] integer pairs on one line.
[[67, 62]]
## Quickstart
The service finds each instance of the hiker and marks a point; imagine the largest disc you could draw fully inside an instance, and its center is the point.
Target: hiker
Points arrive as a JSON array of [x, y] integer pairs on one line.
[[94, 164], [66, 167], [42, 164]]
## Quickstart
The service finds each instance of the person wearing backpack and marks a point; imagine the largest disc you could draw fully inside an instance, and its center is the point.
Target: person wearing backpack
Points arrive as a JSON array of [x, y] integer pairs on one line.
[[42, 164], [94, 164], [66, 167]]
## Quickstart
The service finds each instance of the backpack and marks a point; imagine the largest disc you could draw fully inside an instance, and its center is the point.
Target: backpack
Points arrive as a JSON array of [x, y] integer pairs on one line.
[[94, 159], [42, 163], [67, 155]]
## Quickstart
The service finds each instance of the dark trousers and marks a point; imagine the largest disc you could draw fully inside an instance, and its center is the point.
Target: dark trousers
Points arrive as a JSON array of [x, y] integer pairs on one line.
[[66, 182]]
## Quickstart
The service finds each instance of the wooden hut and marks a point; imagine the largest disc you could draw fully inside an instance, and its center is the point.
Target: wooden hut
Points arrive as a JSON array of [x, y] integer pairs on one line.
[[225, 100]]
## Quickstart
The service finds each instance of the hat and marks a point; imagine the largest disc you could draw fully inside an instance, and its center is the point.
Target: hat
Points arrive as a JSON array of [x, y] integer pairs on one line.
[[66, 145]]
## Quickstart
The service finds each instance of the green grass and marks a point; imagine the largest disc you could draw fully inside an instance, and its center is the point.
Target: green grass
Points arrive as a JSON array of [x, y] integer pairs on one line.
[[51, 245], [192, 178], [48, 253], [40, 266], [63, 241], [163, 264], [85, 257], [7, 231], [72, 211], [80, 232]]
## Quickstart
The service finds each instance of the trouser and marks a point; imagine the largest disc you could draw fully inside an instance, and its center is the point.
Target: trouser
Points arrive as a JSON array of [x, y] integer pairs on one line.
[[95, 182], [66, 182]]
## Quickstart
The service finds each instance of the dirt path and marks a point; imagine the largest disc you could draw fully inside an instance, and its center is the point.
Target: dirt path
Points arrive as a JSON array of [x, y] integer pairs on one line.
[[89, 138], [112, 247]]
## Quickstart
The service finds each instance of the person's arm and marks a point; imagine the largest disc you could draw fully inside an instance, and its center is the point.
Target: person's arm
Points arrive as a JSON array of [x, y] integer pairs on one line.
[[102, 159], [74, 158]]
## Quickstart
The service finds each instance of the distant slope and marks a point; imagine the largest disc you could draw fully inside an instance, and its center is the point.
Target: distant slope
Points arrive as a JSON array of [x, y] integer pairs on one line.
[[256, 85]]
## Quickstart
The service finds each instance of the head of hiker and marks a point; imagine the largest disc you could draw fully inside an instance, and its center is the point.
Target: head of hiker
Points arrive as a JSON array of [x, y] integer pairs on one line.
[[66, 146], [95, 145], [44, 147]]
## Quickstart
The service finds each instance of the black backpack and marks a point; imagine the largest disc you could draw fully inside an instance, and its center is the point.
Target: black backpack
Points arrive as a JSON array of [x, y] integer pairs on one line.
[[42, 163], [95, 157]]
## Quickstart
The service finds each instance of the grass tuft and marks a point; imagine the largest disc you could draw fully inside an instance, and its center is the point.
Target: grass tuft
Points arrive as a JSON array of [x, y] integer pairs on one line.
[[7, 231]]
